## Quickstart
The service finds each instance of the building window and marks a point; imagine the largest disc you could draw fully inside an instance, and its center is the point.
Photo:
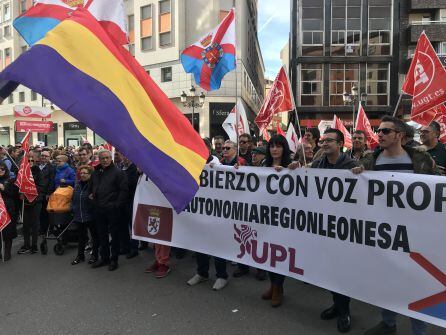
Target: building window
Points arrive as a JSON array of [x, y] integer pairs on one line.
[[8, 59], [442, 49], [342, 78], [312, 27], [165, 23], [21, 96], [22, 6], [132, 49], [7, 31], [166, 74], [6, 12], [11, 99], [378, 84], [146, 28], [311, 85], [33, 96], [131, 26], [380, 27], [346, 28]]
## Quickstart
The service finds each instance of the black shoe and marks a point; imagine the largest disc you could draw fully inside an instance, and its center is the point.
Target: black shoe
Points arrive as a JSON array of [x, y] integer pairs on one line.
[[381, 329], [34, 250], [78, 260], [132, 254], [92, 260], [24, 250], [123, 252], [143, 246], [329, 313], [113, 266], [180, 253], [99, 264], [344, 323], [240, 273]]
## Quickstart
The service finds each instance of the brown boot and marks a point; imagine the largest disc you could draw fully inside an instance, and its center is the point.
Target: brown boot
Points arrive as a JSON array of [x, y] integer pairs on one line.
[[277, 296], [268, 294], [8, 246]]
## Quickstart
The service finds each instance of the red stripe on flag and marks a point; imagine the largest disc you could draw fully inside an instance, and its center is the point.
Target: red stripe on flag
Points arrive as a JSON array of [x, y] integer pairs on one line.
[[45, 10], [205, 77], [224, 27], [193, 51], [228, 49]]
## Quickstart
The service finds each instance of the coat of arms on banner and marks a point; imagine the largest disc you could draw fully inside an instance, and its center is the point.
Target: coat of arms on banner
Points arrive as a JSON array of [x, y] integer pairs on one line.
[[153, 222], [153, 225]]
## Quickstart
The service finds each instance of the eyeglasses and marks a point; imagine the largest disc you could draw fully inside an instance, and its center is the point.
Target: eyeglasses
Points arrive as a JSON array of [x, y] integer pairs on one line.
[[30, 160], [424, 132], [327, 140], [358, 138], [227, 148], [387, 131], [243, 142]]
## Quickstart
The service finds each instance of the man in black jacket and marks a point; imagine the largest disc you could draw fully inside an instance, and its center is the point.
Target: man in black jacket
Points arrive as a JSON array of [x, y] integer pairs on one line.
[[109, 192], [333, 158], [48, 172]]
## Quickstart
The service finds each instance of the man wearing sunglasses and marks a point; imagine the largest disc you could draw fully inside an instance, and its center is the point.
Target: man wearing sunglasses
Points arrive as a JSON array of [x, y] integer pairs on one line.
[[393, 156], [245, 146]]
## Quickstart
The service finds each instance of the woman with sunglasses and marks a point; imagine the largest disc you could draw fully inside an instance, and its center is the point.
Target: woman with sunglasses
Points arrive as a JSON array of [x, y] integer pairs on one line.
[[278, 156], [31, 215], [10, 195]]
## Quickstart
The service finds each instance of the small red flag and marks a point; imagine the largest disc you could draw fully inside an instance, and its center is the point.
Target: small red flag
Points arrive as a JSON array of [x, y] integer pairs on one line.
[[337, 124], [427, 117], [5, 219], [441, 120], [280, 131], [279, 100], [363, 123], [108, 146], [266, 135], [426, 78], [25, 181]]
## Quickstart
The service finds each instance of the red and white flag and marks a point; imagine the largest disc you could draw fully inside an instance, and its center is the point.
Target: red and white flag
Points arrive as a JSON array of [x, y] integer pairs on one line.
[[292, 138], [440, 118], [5, 219], [337, 124], [279, 130], [426, 78], [266, 136], [279, 100], [363, 123], [28, 111], [84, 140], [233, 128], [25, 181], [108, 146], [425, 118]]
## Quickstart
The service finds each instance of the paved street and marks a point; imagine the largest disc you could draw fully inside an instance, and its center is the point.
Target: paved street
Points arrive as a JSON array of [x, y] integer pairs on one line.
[[46, 295]]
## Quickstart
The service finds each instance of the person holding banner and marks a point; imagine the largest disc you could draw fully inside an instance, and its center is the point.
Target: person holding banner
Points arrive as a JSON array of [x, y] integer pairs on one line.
[[333, 158], [429, 137], [278, 156], [359, 148], [392, 156], [9, 193]]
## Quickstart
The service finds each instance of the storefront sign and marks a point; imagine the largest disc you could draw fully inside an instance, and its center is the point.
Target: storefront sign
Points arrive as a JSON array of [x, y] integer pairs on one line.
[[33, 126], [32, 111]]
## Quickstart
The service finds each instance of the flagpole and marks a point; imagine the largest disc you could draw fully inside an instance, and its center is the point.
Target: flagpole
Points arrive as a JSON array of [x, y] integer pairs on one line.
[[236, 85], [398, 104], [3, 246], [295, 114]]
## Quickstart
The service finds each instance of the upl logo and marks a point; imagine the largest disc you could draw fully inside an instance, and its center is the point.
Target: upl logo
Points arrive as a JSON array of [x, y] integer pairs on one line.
[[264, 253], [424, 73]]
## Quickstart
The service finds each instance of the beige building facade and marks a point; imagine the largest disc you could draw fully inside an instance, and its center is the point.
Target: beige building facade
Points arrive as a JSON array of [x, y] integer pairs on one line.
[[159, 31]]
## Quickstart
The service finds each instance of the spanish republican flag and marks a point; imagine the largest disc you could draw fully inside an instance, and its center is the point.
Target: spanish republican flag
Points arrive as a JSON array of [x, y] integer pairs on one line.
[[79, 68]]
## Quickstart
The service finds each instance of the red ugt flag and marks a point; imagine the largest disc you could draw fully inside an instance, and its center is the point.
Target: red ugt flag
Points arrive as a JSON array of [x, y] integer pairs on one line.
[[279, 100], [337, 124], [25, 181], [5, 219], [440, 118], [363, 123], [426, 78]]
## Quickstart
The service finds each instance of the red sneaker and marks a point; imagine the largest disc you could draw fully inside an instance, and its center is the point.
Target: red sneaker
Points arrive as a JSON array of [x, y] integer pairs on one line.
[[153, 268], [163, 271]]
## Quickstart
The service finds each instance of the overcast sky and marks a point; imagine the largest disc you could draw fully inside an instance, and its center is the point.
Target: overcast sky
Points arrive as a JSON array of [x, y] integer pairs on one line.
[[274, 28]]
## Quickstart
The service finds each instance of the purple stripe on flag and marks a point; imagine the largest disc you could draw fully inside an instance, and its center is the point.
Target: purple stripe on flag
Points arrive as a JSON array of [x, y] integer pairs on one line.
[[44, 71]]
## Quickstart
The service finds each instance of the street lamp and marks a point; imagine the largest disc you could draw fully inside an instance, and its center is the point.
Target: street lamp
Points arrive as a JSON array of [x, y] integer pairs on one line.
[[352, 98], [192, 102]]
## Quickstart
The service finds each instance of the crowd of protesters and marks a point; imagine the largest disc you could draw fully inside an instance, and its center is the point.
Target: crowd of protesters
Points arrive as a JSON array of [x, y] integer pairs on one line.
[[104, 188]]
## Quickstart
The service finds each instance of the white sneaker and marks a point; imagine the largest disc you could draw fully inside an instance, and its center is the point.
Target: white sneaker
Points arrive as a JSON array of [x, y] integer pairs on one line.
[[197, 279], [219, 284]]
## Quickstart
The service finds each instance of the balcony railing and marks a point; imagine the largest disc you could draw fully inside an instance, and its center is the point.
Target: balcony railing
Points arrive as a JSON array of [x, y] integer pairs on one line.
[[423, 4], [435, 30]]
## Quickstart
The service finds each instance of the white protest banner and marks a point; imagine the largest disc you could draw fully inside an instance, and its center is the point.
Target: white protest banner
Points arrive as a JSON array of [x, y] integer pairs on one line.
[[376, 237]]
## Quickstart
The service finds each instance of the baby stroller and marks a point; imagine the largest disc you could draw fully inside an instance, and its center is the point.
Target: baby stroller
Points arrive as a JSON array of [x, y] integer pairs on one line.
[[62, 229], [61, 224]]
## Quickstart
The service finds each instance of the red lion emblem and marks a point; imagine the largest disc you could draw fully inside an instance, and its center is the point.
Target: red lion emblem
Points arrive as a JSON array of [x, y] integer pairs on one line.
[[244, 236]]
